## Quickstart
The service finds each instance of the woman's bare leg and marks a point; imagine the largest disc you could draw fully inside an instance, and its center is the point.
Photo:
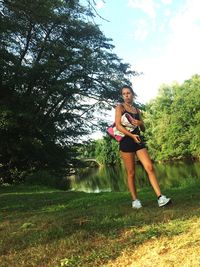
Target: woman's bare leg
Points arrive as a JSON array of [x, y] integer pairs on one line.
[[144, 158], [129, 163]]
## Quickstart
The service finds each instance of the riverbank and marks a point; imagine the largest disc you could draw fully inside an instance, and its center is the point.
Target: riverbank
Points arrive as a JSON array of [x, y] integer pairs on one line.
[[44, 227]]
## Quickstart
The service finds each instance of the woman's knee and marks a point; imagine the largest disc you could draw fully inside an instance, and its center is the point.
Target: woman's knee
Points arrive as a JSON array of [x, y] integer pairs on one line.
[[130, 173], [149, 168]]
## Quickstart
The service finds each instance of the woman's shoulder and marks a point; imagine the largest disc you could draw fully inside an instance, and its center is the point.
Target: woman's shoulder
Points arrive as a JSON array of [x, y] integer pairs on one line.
[[119, 106]]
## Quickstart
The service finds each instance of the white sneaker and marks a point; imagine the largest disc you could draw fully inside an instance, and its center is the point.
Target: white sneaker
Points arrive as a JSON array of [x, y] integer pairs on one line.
[[136, 204], [163, 200]]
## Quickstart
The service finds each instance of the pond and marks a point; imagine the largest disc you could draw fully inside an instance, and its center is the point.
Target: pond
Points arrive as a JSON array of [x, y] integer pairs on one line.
[[109, 179]]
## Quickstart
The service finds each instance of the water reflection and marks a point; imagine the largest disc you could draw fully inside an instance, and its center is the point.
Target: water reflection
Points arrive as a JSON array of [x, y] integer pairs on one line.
[[114, 178]]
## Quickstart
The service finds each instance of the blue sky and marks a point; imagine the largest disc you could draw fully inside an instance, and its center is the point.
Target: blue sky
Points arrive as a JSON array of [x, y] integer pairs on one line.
[[160, 38]]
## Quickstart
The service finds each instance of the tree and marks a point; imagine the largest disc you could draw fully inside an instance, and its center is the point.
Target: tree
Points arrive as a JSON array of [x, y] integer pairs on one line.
[[157, 121], [107, 151], [57, 70], [173, 120]]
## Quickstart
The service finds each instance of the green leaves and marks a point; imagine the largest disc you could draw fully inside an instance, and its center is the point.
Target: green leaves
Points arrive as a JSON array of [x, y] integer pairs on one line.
[[173, 121], [57, 70]]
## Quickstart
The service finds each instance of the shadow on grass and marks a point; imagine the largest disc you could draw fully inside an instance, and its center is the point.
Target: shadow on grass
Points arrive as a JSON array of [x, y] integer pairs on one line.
[[38, 216]]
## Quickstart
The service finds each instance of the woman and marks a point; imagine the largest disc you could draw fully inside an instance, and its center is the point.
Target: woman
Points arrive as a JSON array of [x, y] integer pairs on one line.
[[131, 144]]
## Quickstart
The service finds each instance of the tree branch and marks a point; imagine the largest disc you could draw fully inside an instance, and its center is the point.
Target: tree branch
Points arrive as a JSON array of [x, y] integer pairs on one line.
[[43, 44], [94, 9], [28, 38]]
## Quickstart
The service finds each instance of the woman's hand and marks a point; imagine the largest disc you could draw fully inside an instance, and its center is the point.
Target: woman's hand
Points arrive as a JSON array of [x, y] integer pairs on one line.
[[136, 138], [136, 122]]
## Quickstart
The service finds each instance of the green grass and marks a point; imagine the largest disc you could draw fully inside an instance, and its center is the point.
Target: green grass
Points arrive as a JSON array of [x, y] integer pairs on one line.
[[44, 227]]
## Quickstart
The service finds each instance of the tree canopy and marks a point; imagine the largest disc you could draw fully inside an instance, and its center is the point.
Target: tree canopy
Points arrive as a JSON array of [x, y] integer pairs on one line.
[[57, 70], [173, 121]]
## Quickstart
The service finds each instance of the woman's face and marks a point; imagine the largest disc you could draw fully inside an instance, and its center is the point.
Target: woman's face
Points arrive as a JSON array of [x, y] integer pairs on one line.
[[127, 95]]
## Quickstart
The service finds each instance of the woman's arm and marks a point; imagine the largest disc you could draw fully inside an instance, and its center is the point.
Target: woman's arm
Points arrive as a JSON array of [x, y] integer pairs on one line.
[[118, 115], [141, 122]]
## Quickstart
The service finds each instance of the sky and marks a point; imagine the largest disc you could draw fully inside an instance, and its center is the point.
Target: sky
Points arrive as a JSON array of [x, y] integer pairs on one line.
[[160, 38]]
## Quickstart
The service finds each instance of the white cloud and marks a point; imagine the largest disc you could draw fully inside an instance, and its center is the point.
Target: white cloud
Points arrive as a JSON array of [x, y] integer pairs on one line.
[[140, 34], [146, 85], [167, 13], [187, 16], [180, 57], [141, 31], [185, 38], [147, 6], [166, 2], [100, 4]]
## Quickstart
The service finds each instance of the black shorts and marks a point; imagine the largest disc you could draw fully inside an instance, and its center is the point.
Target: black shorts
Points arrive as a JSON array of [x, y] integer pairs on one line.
[[127, 144]]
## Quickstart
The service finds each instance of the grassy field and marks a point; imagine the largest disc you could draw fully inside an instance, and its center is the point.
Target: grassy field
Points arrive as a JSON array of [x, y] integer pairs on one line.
[[45, 227]]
